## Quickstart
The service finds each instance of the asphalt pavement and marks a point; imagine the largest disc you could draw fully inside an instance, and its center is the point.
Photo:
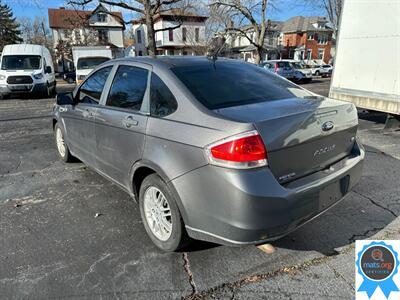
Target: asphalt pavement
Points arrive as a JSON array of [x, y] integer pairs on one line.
[[66, 232]]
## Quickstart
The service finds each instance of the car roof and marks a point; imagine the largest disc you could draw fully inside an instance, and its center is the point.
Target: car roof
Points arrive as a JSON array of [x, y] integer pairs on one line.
[[175, 61]]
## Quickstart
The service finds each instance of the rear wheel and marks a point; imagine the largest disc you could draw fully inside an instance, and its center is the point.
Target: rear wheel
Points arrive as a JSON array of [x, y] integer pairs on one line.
[[317, 73], [160, 214], [62, 147]]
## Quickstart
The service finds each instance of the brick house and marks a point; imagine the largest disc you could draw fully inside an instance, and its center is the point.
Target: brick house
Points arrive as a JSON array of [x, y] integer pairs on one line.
[[307, 38]]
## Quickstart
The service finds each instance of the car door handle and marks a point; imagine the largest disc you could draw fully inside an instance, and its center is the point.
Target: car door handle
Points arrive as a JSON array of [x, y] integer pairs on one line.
[[129, 121]]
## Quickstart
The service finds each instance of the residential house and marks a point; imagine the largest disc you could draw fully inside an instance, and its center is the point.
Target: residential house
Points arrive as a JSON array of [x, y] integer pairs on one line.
[[186, 35], [307, 38], [72, 27], [239, 45]]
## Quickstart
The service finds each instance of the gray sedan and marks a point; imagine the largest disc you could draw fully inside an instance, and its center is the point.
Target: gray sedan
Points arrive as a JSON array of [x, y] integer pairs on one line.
[[212, 149]]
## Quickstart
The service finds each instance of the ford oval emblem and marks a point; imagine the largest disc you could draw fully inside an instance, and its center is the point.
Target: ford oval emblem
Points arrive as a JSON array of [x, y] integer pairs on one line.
[[327, 126]]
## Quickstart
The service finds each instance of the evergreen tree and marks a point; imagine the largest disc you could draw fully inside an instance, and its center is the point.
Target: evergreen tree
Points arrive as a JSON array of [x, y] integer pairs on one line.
[[9, 28]]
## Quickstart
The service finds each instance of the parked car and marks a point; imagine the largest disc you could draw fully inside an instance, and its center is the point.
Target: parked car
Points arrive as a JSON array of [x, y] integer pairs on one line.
[[26, 68], [214, 149], [303, 74], [323, 70], [280, 67]]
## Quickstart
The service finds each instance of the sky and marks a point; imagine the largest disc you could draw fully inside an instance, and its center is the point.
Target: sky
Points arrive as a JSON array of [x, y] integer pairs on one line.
[[283, 11]]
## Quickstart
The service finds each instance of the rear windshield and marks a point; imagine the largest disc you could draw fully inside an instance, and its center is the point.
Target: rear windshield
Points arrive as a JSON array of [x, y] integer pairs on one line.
[[90, 62], [225, 84], [21, 62]]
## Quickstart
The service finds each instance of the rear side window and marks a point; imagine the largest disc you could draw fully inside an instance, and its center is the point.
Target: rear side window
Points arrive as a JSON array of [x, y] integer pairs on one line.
[[224, 83], [162, 101], [91, 89], [128, 88]]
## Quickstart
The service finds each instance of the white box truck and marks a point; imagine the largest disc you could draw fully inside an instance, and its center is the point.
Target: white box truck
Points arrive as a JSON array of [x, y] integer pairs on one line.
[[367, 63], [87, 58]]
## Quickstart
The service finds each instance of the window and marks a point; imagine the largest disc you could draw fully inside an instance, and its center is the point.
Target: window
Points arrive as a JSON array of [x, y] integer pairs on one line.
[[321, 53], [310, 36], [128, 88], [139, 36], [197, 34], [184, 32], [171, 52], [103, 35], [220, 84], [322, 39], [101, 17], [171, 35], [21, 62], [309, 54], [90, 91], [162, 101]]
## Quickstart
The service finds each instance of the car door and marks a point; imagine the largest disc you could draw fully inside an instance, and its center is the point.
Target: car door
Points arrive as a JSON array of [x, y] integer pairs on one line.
[[79, 118], [121, 121]]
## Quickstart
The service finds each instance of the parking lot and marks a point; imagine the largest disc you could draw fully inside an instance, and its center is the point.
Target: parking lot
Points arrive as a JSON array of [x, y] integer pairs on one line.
[[66, 232]]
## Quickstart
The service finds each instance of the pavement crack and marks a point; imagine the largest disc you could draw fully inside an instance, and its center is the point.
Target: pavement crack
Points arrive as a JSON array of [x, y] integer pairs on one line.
[[377, 204], [251, 279], [352, 239], [186, 267]]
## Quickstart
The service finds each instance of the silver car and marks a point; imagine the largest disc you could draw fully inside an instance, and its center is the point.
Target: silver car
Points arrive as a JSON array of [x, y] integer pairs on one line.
[[212, 149], [280, 67]]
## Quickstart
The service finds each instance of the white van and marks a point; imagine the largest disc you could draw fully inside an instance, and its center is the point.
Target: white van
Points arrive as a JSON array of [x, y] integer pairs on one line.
[[26, 68]]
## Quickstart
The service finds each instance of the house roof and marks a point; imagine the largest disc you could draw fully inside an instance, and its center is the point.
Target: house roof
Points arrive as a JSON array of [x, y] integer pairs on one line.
[[302, 24], [71, 18]]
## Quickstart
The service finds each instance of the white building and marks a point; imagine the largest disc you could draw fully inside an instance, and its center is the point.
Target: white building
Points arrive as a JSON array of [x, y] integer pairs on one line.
[[81, 27], [187, 38], [239, 45]]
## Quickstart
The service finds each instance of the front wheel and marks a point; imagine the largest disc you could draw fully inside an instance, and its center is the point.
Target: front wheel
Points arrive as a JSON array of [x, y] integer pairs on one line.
[[317, 73], [62, 147], [160, 214]]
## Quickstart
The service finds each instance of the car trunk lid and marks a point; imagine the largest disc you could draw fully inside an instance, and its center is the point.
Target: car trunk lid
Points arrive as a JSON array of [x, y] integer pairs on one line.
[[297, 132]]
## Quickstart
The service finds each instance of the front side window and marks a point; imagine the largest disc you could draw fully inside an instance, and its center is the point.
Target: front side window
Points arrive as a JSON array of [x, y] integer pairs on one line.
[[21, 62], [91, 89], [162, 101], [128, 88], [221, 84]]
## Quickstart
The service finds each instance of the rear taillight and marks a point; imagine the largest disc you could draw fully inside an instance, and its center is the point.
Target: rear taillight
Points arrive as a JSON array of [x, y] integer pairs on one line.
[[276, 68], [242, 151]]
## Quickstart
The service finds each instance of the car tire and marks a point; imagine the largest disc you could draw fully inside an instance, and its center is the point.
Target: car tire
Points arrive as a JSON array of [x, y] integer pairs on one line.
[[62, 148], [317, 73], [158, 207]]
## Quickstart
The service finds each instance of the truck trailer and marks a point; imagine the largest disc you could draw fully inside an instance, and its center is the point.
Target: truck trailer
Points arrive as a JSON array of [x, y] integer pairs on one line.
[[367, 62]]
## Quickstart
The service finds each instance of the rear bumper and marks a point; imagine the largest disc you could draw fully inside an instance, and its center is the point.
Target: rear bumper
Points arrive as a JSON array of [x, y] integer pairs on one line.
[[238, 207]]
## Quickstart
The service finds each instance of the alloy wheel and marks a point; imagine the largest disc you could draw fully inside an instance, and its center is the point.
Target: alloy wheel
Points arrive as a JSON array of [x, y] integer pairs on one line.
[[158, 213]]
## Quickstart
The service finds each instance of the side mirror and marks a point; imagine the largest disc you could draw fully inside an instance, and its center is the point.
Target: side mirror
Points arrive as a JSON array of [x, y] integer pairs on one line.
[[47, 70], [65, 99]]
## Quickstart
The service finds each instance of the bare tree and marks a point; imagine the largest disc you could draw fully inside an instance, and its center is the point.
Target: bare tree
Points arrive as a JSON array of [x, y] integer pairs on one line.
[[246, 11], [148, 10], [35, 31]]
